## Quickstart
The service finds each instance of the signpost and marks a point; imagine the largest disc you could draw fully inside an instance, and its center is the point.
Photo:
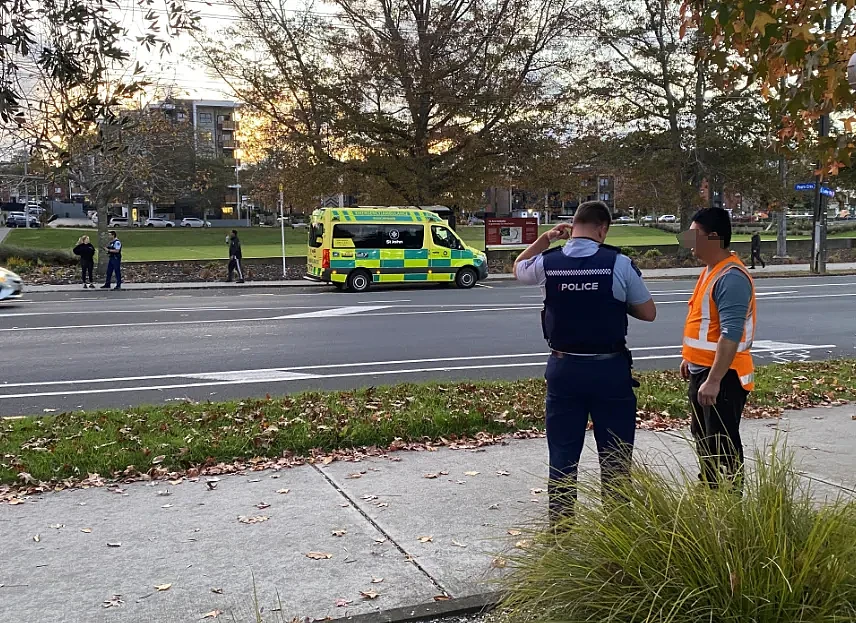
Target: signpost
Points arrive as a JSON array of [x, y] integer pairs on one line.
[[282, 228], [510, 232], [827, 192]]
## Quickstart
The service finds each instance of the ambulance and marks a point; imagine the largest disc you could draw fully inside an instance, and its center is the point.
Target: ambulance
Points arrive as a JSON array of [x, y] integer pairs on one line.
[[353, 248]]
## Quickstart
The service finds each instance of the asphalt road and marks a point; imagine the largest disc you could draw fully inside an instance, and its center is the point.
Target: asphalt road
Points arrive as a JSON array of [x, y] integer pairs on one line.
[[90, 349]]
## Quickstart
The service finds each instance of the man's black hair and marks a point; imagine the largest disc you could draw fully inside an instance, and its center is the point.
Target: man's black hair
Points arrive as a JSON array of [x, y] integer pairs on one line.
[[593, 213], [235, 231], [715, 221], [112, 232]]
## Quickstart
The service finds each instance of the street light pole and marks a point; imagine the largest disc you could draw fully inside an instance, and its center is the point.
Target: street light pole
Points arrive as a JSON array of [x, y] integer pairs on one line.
[[818, 234]]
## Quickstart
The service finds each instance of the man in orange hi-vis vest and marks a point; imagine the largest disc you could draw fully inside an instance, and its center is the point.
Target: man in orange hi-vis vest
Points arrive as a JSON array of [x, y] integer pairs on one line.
[[717, 359]]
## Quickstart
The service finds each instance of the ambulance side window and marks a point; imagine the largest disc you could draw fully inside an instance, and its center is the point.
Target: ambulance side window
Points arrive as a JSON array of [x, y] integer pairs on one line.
[[445, 238]]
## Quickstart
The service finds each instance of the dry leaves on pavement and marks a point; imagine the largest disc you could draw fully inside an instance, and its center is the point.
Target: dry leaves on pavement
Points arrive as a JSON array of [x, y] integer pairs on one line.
[[114, 602], [340, 532], [471, 473], [212, 615], [369, 595], [252, 520], [426, 539], [163, 587], [319, 555]]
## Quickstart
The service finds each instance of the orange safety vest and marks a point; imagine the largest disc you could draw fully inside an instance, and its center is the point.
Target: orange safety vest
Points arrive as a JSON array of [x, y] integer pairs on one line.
[[702, 328]]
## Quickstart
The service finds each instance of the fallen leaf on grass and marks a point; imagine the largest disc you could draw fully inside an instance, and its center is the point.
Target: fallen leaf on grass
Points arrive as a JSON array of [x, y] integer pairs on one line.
[[377, 580], [471, 473], [426, 539], [158, 459], [163, 587], [212, 615], [283, 491], [319, 555], [522, 544], [499, 563], [369, 595], [252, 520], [339, 532], [86, 530], [114, 602]]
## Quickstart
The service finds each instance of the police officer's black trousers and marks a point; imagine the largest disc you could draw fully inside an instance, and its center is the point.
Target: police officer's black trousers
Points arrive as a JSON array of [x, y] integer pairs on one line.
[[716, 431], [576, 389]]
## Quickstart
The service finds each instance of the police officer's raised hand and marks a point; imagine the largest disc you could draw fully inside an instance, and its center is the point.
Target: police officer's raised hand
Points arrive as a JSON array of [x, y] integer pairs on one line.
[[562, 231]]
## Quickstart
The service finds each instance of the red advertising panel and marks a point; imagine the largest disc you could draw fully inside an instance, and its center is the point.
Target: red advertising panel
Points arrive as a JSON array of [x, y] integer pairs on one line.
[[510, 232]]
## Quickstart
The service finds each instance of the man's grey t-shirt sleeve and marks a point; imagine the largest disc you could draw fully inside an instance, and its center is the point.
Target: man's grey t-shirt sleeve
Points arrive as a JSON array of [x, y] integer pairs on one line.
[[732, 294], [630, 280]]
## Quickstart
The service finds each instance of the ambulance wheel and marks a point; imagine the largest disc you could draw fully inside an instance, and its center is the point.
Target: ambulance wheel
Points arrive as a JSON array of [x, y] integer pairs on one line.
[[359, 281], [466, 278]]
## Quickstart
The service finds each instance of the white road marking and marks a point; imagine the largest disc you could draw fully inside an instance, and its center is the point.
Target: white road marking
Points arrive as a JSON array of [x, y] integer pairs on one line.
[[768, 345], [255, 376], [334, 312], [481, 285]]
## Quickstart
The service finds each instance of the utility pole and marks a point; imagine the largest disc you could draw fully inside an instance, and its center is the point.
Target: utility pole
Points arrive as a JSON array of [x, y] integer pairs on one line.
[[782, 216], [282, 227], [818, 234]]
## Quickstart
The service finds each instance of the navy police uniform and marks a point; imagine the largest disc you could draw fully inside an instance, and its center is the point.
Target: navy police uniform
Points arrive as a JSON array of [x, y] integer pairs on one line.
[[587, 289], [114, 264]]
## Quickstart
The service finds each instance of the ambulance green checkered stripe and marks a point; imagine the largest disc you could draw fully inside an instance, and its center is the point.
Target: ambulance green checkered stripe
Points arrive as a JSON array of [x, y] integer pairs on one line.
[[416, 254], [407, 270], [342, 264]]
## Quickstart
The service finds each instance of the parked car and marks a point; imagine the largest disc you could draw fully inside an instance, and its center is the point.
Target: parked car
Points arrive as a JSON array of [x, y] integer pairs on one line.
[[624, 219], [11, 286], [118, 221], [19, 219], [668, 218], [194, 222], [299, 225], [158, 221], [648, 219]]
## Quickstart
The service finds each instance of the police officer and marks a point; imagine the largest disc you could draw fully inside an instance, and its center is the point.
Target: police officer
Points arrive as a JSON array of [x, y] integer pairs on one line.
[[114, 261], [589, 290]]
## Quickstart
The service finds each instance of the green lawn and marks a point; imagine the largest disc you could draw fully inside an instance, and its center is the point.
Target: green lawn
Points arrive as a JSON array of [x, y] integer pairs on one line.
[[210, 244]]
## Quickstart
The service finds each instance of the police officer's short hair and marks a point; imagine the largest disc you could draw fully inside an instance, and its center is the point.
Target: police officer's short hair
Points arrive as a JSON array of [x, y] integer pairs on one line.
[[593, 213], [715, 221], [112, 232]]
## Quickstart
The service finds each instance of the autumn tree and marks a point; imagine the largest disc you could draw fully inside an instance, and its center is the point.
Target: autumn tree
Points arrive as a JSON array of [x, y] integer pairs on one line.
[[429, 98]]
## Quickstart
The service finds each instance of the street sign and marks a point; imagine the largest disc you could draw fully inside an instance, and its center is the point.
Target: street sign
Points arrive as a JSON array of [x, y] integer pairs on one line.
[[806, 186], [827, 191]]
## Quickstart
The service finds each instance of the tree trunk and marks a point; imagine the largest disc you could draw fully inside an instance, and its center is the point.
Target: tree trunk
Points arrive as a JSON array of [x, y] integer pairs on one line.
[[101, 211]]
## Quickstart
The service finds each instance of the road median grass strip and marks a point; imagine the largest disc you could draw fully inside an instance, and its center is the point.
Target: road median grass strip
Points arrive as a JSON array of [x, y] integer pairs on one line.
[[189, 439]]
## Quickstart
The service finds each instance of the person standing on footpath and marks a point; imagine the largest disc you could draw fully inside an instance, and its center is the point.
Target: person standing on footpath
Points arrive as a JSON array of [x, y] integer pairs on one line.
[[589, 290], [114, 261], [756, 251], [86, 251], [717, 358], [235, 256]]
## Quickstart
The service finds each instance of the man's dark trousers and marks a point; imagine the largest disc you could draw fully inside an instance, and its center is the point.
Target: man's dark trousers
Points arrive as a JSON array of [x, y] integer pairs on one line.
[[576, 388], [716, 430], [114, 266]]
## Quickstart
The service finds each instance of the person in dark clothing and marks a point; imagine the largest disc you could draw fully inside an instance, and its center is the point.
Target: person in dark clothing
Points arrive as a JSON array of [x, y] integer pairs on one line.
[[114, 263], [86, 251], [235, 256], [756, 251]]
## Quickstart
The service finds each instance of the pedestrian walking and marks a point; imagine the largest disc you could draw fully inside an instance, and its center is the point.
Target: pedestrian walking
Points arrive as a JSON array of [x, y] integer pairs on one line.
[[114, 261], [717, 358], [235, 256], [756, 251], [86, 251], [589, 290]]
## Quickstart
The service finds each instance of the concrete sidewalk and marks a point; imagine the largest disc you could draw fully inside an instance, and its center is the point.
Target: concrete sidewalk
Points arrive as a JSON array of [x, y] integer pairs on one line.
[[666, 273], [408, 527]]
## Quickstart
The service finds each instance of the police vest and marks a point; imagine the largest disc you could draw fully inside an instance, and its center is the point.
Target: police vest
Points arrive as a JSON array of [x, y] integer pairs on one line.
[[702, 329], [580, 314], [112, 245]]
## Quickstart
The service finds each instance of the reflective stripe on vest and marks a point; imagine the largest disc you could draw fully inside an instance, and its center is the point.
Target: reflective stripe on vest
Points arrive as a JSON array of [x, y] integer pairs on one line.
[[702, 329]]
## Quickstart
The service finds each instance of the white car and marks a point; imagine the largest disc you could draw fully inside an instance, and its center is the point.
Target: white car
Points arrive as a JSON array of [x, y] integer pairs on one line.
[[648, 219], [118, 221], [194, 222], [624, 219], [157, 221], [668, 218], [11, 286]]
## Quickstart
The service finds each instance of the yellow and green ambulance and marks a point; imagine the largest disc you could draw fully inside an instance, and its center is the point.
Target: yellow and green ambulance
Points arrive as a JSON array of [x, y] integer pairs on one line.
[[353, 248]]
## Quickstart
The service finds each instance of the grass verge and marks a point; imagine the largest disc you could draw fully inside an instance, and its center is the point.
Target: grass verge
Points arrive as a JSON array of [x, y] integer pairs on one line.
[[674, 552], [65, 449]]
